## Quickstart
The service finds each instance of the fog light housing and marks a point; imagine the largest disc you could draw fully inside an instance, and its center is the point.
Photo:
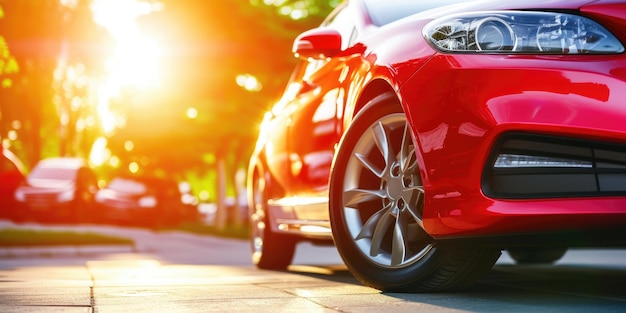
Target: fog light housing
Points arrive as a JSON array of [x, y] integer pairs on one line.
[[532, 166], [506, 160]]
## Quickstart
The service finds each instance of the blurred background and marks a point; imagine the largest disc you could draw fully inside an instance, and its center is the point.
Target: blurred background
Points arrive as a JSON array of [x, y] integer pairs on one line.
[[167, 90]]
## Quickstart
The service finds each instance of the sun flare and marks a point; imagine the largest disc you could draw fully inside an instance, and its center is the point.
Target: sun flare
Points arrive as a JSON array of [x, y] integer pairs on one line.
[[134, 62], [136, 56]]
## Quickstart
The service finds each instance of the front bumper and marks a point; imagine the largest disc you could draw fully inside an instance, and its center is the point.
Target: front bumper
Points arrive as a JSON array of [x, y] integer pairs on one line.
[[466, 110]]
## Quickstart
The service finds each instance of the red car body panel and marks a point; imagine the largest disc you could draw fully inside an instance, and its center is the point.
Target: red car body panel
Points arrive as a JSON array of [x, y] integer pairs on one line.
[[560, 97], [459, 105]]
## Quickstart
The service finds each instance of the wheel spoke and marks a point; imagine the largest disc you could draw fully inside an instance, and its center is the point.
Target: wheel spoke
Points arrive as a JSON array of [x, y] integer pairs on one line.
[[380, 230], [398, 248], [369, 165], [356, 196], [367, 230], [383, 143], [414, 196], [383, 203]]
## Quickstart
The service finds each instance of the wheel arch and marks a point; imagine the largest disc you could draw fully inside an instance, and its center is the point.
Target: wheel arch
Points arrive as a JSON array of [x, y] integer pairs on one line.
[[258, 166], [373, 89], [254, 170], [423, 266]]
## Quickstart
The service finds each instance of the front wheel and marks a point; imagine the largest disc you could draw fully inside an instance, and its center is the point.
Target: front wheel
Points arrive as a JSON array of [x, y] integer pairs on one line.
[[269, 250], [376, 207]]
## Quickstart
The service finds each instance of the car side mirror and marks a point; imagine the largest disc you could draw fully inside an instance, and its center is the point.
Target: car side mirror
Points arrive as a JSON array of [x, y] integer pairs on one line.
[[317, 43]]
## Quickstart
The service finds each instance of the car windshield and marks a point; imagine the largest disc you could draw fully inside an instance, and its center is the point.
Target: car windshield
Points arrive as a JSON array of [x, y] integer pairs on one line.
[[384, 12], [53, 173], [127, 186]]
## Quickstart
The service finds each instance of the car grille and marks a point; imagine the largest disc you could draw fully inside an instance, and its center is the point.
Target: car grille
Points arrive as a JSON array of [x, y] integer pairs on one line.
[[120, 203], [535, 166], [41, 199]]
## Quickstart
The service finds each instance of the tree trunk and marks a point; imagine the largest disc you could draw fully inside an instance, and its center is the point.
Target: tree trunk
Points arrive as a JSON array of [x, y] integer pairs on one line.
[[221, 217]]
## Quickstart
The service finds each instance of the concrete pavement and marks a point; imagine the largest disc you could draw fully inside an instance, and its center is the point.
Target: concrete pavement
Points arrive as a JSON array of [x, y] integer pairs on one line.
[[132, 283], [149, 286], [161, 272], [178, 272]]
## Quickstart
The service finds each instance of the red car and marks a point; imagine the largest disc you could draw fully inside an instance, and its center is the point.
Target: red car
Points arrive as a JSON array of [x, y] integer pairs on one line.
[[12, 174], [146, 200], [57, 189], [424, 139]]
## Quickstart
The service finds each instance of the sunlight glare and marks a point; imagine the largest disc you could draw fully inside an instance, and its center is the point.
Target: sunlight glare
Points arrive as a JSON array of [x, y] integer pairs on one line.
[[107, 118], [248, 82], [133, 167], [192, 113], [129, 145], [135, 56], [99, 152], [115, 162], [135, 63]]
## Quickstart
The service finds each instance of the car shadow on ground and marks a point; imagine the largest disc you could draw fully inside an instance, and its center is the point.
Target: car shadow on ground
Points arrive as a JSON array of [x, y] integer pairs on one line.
[[519, 288], [335, 273], [538, 288], [584, 280]]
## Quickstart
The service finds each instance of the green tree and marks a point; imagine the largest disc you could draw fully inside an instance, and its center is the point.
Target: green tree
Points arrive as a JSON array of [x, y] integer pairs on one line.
[[44, 102], [215, 43], [203, 118]]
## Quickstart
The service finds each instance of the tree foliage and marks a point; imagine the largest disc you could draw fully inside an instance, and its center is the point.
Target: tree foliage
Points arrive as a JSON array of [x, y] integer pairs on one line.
[[209, 44], [201, 118], [39, 106]]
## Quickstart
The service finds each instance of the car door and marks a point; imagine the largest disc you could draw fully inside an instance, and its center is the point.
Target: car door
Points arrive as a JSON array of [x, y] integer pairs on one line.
[[313, 130], [276, 129], [316, 123]]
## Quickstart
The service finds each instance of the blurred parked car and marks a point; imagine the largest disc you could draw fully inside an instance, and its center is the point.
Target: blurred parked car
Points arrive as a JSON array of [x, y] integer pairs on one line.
[[423, 138], [12, 174], [57, 189], [144, 200]]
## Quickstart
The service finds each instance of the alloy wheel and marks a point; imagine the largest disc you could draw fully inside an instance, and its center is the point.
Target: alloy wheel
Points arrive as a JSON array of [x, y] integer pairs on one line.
[[383, 195]]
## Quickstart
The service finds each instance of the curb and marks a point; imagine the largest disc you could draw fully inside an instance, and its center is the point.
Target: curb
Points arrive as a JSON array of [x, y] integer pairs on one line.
[[58, 251]]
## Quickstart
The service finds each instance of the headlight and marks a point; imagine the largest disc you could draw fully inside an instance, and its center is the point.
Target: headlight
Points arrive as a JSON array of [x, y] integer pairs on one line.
[[101, 196], [521, 32], [147, 202], [20, 196], [66, 195]]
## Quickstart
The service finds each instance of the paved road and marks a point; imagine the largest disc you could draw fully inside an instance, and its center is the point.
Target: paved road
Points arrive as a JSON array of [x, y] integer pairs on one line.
[[177, 272]]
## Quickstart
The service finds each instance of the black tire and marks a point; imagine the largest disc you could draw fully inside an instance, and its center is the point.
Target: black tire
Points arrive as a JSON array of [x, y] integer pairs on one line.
[[376, 204], [269, 250], [524, 255]]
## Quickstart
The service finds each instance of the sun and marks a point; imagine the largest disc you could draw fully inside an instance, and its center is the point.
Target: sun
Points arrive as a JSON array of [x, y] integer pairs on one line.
[[136, 56], [135, 59], [134, 62]]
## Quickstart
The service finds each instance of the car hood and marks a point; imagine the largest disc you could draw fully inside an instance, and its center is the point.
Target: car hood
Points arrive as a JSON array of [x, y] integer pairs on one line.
[[46, 184], [118, 195], [494, 5]]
